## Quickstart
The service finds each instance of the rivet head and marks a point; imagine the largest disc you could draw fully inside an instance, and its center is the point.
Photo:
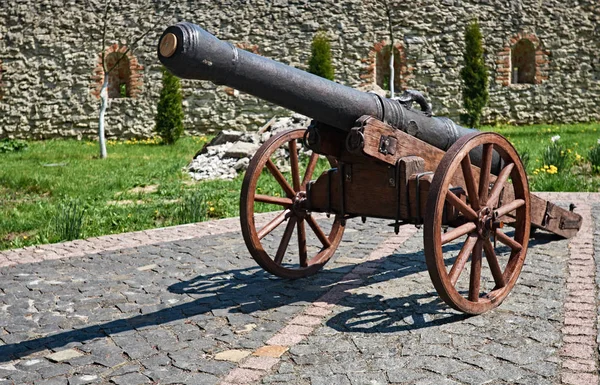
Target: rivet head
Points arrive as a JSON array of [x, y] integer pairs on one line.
[[168, 45]]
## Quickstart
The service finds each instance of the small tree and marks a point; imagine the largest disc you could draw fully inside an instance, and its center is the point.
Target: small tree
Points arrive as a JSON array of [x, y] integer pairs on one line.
[[169, 114], [475, 77], [320, 59], [106, 70]]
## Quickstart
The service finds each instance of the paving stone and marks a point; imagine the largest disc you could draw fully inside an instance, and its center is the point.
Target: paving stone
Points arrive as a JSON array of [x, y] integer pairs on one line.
[[60, 380], [243, 376], [130, 379], [64, 355], [275, 351], [260, 363], [404, 375], [336, 379], [389, 325], [367, 378], [84, 379], [232, 355]]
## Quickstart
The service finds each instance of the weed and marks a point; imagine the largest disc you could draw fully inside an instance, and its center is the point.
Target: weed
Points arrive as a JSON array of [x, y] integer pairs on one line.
[[594, 158], [12, 145], [556, 155], [524, 159], [68, 222], [193, 208]]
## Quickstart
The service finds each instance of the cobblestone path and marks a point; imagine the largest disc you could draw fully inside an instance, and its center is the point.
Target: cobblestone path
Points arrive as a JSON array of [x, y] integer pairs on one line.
[[188, 305]]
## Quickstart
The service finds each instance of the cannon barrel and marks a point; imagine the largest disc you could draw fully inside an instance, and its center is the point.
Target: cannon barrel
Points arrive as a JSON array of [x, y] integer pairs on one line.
[[190, 52]]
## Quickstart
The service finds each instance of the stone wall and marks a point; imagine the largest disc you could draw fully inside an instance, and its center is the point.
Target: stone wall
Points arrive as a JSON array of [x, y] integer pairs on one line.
[[49, 52]]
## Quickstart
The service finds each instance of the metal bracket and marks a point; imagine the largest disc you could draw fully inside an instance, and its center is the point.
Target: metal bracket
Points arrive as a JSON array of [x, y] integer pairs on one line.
[[569, 224], [387, 145], [312, 138], [396, 180], [347, 172]]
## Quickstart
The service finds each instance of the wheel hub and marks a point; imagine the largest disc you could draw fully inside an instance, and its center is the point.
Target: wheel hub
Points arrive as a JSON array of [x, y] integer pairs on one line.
[[299, 204], [486, 222]]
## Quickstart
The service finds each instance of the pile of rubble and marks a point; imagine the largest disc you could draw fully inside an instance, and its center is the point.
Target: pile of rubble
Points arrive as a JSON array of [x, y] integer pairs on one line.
[[230, 151]]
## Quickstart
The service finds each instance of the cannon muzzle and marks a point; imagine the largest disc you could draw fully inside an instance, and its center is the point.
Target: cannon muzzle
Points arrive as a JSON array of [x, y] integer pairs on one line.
[[190, 52]]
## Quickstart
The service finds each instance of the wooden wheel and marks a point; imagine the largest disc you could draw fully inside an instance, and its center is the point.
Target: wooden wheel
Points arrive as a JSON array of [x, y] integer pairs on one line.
[[273, 246], [489, 203]]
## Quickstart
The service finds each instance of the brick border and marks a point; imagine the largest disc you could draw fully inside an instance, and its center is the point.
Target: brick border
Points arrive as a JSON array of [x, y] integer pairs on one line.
[[579, 352], [134, 82], [259, 362], [369, 75], [504, 61], [82, 247]]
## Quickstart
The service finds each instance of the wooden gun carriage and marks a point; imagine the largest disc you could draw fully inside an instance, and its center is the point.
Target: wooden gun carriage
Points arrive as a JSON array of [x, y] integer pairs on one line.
[[468, 189]]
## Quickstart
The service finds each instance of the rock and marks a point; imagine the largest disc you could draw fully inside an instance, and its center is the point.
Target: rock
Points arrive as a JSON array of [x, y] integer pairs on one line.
[[241, 150], [221, 159]]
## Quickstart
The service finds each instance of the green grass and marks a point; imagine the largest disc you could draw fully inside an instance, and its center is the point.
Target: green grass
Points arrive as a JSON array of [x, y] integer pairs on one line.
[[576, 139], [39, 183], [35, 184]]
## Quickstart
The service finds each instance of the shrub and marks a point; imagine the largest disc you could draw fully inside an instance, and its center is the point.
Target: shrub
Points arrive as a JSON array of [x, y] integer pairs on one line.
[[475, 77], [12, 145], [68, 222], [556, 155], [320, 59], [169, 114]]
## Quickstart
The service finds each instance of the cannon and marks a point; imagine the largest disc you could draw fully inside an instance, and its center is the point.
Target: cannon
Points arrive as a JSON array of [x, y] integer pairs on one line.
[[368, 156]]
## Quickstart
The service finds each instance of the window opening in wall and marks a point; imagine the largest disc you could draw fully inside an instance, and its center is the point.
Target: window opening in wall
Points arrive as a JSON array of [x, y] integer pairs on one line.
[[119, 79], [523, 62], [382, 68]]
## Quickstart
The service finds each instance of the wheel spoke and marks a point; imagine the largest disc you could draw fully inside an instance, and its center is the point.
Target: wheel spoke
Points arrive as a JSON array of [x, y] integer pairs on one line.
[[484, 175], [310, 169], [475, 279], [492, 259], [302, 243], [499, 185], [458, 232], [285, 240], [465, 164], [461, 259], [508, 241], [461, 206], [294, 164], [273, 200], [273, 224], [317, 229], [512, 206], [280, 179]]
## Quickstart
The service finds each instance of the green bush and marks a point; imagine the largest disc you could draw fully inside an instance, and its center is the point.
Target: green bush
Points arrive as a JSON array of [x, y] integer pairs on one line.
[[12, 145], [169, 114], [475, 77], [320, 59]]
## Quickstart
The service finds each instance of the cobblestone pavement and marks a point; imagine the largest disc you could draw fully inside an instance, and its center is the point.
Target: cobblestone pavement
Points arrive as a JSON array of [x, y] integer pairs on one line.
[[188, 305]]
